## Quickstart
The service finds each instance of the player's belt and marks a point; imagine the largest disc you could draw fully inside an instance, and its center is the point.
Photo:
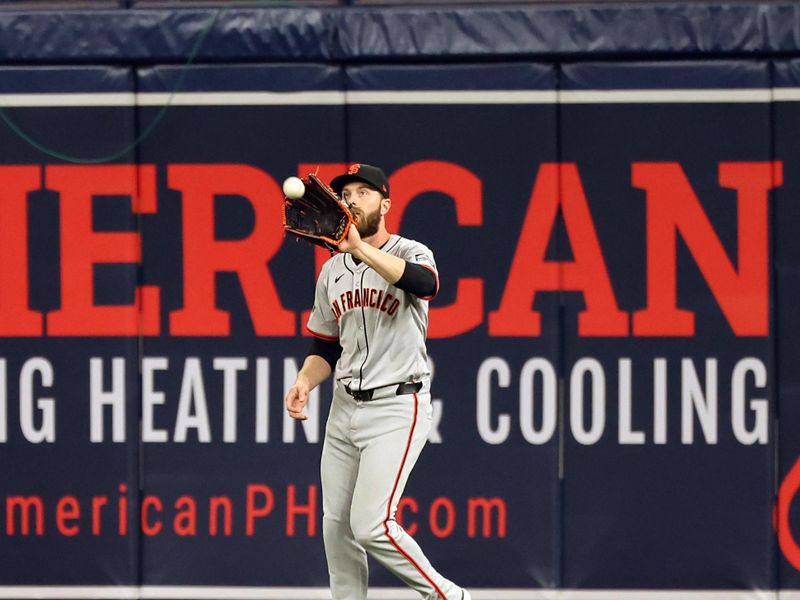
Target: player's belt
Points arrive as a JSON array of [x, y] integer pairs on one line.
[[411, 387]]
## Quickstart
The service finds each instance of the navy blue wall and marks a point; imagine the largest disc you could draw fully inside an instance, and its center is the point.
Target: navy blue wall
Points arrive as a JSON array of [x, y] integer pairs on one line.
[[610, 197]]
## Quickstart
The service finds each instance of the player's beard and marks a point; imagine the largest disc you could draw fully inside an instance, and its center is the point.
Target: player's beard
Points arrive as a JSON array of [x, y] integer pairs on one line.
[[368, 223]]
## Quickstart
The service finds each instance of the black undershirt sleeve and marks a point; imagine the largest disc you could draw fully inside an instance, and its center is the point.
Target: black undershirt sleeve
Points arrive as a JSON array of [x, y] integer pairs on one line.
[[329, 350], [417, 280]]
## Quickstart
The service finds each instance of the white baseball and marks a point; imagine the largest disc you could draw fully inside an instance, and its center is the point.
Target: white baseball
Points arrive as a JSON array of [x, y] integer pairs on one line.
[[293, 187]]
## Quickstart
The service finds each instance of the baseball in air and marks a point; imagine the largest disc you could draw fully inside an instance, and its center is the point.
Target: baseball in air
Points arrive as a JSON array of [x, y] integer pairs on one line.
[[293, 187]]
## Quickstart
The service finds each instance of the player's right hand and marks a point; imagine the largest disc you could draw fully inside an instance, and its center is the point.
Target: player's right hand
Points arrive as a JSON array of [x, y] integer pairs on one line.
[[352, 240], [296, 400]]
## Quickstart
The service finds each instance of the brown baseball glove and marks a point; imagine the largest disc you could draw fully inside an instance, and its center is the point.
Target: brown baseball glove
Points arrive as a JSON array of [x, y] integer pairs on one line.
[[319, 216]]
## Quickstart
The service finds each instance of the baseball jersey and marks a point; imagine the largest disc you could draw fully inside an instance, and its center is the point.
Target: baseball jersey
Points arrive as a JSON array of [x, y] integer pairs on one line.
[[380, 327]]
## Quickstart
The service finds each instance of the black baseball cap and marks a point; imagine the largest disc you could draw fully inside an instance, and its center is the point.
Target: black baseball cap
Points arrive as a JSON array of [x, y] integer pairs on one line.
[[373, 176]]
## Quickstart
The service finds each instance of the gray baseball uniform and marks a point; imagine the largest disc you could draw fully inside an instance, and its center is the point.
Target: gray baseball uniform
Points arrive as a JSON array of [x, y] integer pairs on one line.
[[376, 428]]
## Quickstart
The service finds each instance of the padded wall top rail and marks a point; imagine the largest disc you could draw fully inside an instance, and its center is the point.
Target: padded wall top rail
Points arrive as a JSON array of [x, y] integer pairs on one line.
[[402, 33]]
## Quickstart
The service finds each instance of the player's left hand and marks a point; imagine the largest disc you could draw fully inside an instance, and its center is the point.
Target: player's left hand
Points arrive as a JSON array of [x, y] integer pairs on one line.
[[350, 243], [296, 400]]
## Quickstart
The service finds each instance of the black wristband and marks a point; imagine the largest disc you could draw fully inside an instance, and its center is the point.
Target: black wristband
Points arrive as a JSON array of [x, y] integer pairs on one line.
[[330, 350], [418, 280]]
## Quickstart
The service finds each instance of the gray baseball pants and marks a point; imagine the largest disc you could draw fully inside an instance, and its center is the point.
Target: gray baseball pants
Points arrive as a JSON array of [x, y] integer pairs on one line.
[[369, 451]]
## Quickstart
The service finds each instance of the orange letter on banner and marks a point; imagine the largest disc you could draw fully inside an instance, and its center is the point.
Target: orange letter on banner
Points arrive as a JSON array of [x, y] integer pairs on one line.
[[158, 506], [82, 248], [215, 503], [68, 509], [294, 508], [185, 522], [15, 317], [410, 526], [673, 207], [26, 505], [253, 511], [466, 190], [326, 172], [204, 256], [486, 508], [530, 273], [786, 493], [446, 530]]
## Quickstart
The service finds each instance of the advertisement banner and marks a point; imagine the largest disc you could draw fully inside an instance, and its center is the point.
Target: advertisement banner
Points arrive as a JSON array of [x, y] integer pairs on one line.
[[669, 465], [611, 345], [69, 399]]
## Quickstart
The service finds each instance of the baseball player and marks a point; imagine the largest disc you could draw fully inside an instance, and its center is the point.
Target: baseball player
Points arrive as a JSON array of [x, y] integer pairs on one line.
[[369, 322]]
